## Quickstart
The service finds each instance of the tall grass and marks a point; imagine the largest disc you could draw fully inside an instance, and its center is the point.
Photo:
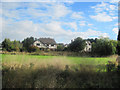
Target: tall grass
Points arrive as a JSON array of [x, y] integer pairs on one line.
[[26, 71]]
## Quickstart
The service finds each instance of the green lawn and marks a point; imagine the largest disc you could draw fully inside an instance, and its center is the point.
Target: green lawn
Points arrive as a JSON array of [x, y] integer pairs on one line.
[[72, 60]]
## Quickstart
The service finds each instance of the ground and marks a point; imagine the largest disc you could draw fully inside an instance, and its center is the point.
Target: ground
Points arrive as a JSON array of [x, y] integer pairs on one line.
[[35, 71]]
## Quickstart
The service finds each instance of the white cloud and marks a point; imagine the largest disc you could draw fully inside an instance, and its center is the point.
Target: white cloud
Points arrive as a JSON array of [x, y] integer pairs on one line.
[[105, 12], [114, 1], [35, 10], [104, 7], [115, 17], [103, 17], [112, 7], [71, 25], [58, 10], [19, 30], [82, 23], [77, 15], [22, 29], [0, 29], [115, 30], [47, 27], [100, 7], [117, 24], [90, 24]]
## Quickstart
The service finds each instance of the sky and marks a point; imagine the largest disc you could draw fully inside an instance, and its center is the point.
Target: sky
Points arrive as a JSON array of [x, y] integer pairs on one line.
[[62, 21]]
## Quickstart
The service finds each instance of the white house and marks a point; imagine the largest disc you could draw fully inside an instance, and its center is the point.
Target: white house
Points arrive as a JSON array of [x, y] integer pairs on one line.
[[88, 46], [45, 43]]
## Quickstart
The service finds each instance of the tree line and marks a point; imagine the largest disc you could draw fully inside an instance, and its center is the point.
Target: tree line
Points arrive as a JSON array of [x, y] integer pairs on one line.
[[100, 47]]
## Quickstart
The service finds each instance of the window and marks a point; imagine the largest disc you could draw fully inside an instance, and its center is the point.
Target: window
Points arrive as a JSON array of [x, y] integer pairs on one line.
[[38, 44], [52, 45]]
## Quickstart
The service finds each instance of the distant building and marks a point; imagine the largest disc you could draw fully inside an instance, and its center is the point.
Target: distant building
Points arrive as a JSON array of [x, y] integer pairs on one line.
[[45, 43], [88, 46], [66, 45], [62, 44]]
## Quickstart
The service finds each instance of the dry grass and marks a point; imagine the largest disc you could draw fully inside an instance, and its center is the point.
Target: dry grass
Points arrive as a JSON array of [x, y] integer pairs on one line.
[[25, 71]]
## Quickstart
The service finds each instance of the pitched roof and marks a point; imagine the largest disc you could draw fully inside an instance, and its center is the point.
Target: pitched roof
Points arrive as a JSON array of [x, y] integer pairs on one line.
[[47, 40]]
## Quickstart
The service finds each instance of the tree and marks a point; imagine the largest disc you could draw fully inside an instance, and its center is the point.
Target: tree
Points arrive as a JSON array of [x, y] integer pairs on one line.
[[60, 47], [77, 45], [27, 43], [104, 46], [34, 49], [17, 45], [8, 45]]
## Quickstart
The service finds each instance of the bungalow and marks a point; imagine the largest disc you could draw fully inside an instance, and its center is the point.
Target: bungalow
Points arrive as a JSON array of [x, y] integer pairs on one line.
[[45, 43]]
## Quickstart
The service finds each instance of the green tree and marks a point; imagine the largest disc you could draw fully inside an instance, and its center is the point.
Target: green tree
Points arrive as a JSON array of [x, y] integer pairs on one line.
[[60, 47], [34, 49], [77, 45], [17, 45], [6, 44], [27, 43], [104, 46]]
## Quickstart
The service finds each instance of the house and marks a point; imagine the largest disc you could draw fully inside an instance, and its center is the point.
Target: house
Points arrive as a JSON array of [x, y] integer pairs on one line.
[[66, 45], [45, 43], [88, 46]]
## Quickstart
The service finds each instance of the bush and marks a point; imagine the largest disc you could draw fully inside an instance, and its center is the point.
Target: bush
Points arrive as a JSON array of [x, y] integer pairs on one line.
[[34, 49]]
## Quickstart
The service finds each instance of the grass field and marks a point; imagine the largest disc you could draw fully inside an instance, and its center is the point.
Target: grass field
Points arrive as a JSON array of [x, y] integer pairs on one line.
[[15, 61], [35, 71], [37, 59]]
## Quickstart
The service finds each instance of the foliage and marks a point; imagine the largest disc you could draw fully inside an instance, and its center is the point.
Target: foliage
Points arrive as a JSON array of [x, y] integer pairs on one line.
[[100, 47], [60, 47], [34, 49], [104, 46], [27, 43], [77, 45], [8, 45]]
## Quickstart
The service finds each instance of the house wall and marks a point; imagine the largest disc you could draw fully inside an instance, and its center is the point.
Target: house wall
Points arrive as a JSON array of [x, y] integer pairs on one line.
[[39, 46], [44, 45], [52, 46], [88, 47]]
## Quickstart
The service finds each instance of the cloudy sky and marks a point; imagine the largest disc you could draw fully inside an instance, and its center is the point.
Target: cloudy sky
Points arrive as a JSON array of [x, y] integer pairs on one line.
[[62, 21]]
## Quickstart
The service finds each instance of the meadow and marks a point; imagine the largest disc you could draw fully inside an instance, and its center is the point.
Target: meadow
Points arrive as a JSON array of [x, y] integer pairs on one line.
[[35, 71]]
